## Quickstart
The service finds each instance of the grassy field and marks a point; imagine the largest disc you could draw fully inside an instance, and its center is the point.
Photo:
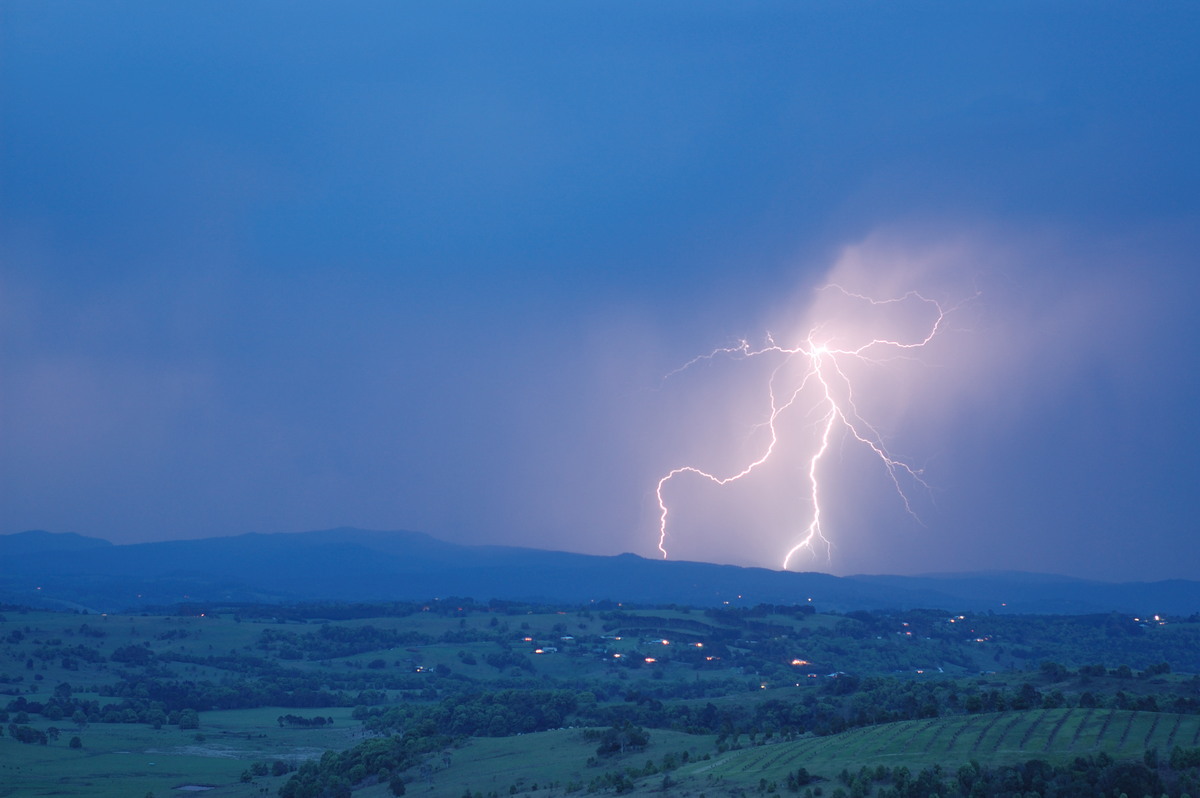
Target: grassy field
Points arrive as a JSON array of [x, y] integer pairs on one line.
[[991, 739], [444, 653], [545, 764], [563, 762], [122, 760]]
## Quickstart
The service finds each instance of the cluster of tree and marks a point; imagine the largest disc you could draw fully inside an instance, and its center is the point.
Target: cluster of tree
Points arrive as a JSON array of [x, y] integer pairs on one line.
[[1181, 758], [505, 659], [84, 712], [839, 704], [162, 702], [307, 723], [482, 714], [260, 769], [27, 734], [618, 739], [330, 641], [134, 655], [264, 669], [375, 761], [24, 733], [174, 634], [81, 653], [619, 781], [797, 778], [1098, 670], [239, 694], [88, 630], [625, 779]]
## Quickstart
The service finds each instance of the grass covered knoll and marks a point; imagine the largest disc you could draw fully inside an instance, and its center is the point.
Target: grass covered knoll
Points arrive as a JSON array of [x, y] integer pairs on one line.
[[1055, 735], [551, 763], [563, 762]]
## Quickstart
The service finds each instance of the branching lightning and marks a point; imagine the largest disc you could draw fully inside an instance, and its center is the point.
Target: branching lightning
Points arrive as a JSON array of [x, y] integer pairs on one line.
[[824, 388]]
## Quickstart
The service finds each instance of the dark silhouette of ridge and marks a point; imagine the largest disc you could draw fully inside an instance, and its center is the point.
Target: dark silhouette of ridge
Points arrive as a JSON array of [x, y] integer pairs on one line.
[[41, 541], [67, 570]]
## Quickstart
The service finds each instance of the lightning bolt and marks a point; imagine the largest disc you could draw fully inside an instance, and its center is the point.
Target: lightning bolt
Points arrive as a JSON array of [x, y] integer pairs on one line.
[[827, 391]]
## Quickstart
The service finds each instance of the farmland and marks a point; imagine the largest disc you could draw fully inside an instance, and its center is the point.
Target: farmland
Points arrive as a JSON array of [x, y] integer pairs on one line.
[[453, 697]]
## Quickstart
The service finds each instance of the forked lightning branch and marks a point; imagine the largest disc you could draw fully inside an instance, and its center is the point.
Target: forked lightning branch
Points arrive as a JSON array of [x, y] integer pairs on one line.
[[813, 378]]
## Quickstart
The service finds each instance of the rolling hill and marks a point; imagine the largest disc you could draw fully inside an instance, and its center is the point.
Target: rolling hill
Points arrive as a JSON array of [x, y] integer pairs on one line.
[[67, 570]]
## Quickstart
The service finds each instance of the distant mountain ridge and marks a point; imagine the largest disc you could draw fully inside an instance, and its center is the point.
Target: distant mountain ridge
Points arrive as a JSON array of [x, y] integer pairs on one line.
[[69, 570], [37, 541]]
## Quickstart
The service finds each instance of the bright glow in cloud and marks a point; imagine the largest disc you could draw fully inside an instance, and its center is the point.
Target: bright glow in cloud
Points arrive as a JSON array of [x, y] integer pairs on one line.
[[817, 378], [891, 411]]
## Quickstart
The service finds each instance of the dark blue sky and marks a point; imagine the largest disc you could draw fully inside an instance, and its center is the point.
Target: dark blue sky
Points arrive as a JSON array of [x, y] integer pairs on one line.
[[279, 266]]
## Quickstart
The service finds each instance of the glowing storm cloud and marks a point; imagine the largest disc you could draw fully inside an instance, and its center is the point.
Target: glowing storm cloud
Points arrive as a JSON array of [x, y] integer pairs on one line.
[[814, 378]]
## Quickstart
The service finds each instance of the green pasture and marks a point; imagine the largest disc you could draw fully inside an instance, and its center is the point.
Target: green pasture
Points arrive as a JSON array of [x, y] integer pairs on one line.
[[118, 760], [193, 636], [41, 650], [123, 760], [991, 739], [543, 763]]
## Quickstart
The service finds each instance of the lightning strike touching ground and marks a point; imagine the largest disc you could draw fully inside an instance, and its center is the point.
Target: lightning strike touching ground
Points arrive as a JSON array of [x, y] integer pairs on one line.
[[813, 376]]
